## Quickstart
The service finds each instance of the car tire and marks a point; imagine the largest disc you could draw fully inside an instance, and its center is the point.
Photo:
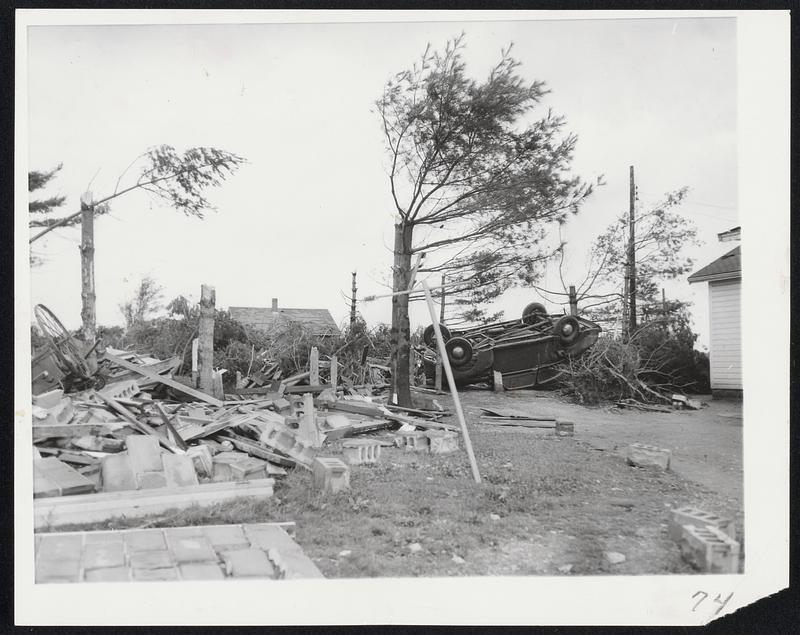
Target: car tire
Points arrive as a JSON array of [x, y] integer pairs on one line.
[[533, 311], [459, 351], [567, 329], [429, 335]]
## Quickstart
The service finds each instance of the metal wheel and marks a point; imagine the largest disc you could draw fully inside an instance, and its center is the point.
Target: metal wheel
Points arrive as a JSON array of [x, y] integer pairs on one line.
[[64, 345], [459, 351], [533, 312], [429, 335], [567, 329]]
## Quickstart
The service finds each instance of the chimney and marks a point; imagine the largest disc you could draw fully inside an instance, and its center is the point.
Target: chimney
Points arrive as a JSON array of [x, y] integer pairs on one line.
[[274, 304]]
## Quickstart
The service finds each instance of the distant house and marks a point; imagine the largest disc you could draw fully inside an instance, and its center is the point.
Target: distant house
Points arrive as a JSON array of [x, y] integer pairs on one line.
[[319, 321], [724, 277]]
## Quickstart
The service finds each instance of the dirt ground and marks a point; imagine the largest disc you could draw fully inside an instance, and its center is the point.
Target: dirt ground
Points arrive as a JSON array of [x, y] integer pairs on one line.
[[548, 505]]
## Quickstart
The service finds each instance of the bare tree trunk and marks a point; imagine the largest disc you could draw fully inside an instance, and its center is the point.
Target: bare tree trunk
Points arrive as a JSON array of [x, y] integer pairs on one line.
[[88, 315], [205, 338], [401, 329]]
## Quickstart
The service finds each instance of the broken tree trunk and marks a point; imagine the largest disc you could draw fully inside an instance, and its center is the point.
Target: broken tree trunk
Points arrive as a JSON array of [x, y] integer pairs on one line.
[[205, 347], [313, 366], [401, 329], [88, 317]]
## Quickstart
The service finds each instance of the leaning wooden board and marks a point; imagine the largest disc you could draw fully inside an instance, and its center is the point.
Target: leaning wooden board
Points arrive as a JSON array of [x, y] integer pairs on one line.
[[164, 380]]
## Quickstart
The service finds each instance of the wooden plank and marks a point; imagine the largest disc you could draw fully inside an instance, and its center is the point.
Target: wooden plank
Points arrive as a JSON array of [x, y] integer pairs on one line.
[[164, 380], [170, 428], [93, 508], [422, 423], [137, 425], [259, 450], [70, 430], [495, 421], [299, 390], [218, 426]]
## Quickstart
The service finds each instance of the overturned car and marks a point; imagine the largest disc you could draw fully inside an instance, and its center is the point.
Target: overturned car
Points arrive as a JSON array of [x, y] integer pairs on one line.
[[525, 353]]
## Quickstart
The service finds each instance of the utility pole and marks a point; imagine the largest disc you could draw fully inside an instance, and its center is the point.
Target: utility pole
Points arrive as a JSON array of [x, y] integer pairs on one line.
[[88, 298], [573, 300], [353, 302], [632, 256]]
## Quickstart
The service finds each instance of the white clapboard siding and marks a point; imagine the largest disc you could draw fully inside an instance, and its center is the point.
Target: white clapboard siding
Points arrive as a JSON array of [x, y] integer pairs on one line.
[[726, 334]]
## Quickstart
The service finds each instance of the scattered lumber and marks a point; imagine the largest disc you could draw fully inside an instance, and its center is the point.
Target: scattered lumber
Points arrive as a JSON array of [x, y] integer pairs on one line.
[[164, 380]]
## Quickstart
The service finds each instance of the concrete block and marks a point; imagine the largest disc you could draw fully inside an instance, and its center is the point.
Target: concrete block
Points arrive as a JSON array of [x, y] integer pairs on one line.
[[565, 428], [144, 453], [243, 467], [709, 549], [116, 473], [201, 571], [145, 540], [121, 389], [49, 399], [111, 574], [179, 470], [641, 455], [151, 480], [248, 563], [331, 475], [415, 441], [442, 441], [67, 479], [698, 518], [152, 560], [100, 555], [202, 458], [281, 438], [293, 562], [361, 451], [191, 549], [226, 537]]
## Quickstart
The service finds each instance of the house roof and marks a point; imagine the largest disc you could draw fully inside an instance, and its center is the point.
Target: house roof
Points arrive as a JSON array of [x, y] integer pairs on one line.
[[319, 320], [723, 268], [731, 234]]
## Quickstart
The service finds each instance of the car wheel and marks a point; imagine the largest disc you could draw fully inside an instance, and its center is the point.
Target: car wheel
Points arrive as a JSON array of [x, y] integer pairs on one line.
[[534, 311], [429, 335], [459, 351], [567, 329]]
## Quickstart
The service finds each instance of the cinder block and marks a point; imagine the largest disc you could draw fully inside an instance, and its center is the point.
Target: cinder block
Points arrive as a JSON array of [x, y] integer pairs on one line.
[[331, 475], [145, 453], [565, 428], [709, 549], [361, 451], [248, 563], [242, 466], [642, 455], [442, 441], [151, 480], [413, 441], [101, 555], [698, 518], [202, 459], [116, 473], [179, 470], [282, 438], [121, 389]]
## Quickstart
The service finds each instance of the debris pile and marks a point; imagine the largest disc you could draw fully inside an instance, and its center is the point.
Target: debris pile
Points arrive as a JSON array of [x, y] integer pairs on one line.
[[123, 438]]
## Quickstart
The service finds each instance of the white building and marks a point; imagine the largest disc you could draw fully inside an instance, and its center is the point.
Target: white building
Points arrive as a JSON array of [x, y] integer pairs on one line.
[[724, 277]]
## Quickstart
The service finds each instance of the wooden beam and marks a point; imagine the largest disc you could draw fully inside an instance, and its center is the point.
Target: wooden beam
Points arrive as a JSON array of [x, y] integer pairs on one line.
[[200, 396], [94, 508], [452, 382], [126, 414]]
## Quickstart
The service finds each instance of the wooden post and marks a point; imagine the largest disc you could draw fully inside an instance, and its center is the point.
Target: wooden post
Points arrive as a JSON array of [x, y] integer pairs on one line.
[[313, 366], [88, 299], [438, 377], [353, 292], [449, 372], [334, 372], [195, 344], [441, 303], [632, 255], [308, 431], [573, 300], [205, 346]]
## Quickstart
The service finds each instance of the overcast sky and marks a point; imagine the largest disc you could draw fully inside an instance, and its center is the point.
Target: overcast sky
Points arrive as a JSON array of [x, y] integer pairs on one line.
[[313, 203]]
